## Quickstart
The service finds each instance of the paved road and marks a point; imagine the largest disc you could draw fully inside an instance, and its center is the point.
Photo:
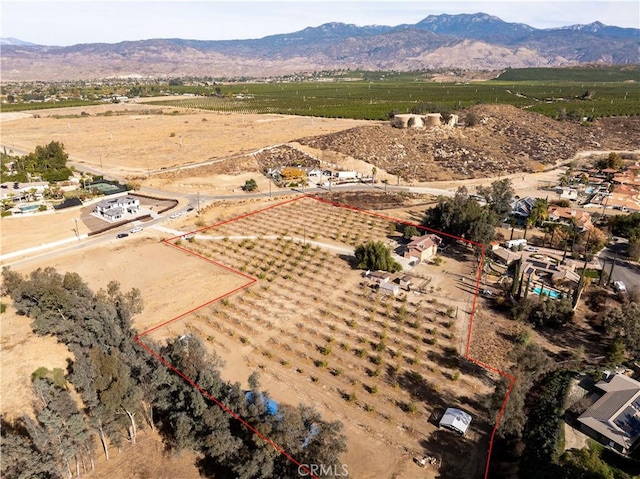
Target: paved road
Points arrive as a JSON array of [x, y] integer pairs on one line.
[[624, 270]]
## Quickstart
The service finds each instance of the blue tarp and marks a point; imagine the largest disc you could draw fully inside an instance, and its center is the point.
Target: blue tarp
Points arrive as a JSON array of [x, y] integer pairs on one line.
[[270, 405]]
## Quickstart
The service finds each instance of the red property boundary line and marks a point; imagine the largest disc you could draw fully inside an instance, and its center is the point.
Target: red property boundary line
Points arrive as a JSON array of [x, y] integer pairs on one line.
[[251, 280]]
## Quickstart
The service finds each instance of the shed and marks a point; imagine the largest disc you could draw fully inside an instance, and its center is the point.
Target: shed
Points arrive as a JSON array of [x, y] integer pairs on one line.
[[455, 419], [378, 277], [390, 288], [405, 282]]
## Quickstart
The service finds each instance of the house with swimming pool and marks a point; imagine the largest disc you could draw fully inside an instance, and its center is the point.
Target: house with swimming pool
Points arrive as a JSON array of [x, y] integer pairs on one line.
[[545, 277]]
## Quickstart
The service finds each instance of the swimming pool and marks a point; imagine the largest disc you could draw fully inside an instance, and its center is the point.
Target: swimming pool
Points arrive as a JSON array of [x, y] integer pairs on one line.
[[27, 208], [547, 292]]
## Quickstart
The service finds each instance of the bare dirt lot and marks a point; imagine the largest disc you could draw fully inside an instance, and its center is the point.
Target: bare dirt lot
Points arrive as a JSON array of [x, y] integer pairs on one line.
[[136, 138]]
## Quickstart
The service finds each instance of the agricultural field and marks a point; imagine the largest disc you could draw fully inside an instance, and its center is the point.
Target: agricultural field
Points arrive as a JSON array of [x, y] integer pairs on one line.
[[384, 365], [374, 100]]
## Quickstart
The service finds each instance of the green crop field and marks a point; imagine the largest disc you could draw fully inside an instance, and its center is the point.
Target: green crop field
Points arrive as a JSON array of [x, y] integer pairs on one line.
[[590, 92], [12, 107], [374, 99]]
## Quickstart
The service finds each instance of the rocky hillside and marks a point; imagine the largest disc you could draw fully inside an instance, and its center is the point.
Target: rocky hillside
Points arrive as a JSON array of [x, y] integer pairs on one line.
[[506, 140]]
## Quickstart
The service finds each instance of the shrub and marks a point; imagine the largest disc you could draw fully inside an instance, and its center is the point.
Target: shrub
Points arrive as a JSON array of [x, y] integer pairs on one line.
[[325, 350], [321, 363], [411, 408], [250, 185]]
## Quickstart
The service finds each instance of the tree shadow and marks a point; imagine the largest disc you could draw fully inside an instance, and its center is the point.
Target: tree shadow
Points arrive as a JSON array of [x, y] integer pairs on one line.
[[420, 389], [451, 447], [210, 468], [349, 259]]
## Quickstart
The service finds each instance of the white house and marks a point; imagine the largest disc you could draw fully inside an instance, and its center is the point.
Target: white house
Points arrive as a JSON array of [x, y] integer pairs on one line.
[[22, 191], [114, 209]]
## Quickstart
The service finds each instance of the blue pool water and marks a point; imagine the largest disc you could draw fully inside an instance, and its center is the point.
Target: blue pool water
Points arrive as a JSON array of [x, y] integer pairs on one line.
[[547, 292], [24, 208]]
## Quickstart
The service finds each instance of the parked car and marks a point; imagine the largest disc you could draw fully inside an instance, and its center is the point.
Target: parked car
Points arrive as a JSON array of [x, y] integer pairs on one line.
[[122, 235], [619, 287], [532, 249], [190, 208], [137, 229]]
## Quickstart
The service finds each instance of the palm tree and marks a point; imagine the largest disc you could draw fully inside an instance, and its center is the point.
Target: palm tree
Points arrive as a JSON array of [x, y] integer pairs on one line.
[[539, 212], [530, 221]]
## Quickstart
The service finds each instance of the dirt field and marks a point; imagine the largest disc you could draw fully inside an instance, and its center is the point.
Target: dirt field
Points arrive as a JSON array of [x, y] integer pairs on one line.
[[134, 139], [27, 231], [22, 354]]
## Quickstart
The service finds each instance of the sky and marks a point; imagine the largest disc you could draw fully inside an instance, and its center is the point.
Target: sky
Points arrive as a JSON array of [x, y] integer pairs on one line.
[[47, 22]]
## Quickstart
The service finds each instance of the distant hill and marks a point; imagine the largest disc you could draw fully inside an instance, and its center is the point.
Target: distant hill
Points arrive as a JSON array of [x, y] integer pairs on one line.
[[469, 41], [14, 41]]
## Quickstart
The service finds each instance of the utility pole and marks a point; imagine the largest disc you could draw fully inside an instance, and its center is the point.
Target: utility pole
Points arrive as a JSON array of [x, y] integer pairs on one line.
[[76, 230], [198, 202], [613, 263]]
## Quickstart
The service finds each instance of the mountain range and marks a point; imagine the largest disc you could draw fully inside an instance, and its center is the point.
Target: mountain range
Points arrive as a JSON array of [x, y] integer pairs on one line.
[[467, 41]]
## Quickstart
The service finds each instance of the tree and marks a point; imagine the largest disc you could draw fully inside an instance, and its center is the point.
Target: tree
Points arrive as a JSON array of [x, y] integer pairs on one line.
[[410, 231], [544, 313], [250, 185], [634, 249], [49, 162], [545, 404], [64, 425], [471, 119], [25, 451], [623, 324], [585, 463], [539, 212], [613, 161], [462, 216], [498, 196], [530, 361], [375, 255]]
